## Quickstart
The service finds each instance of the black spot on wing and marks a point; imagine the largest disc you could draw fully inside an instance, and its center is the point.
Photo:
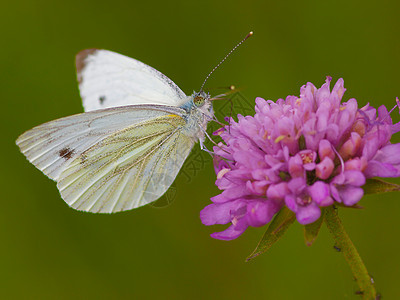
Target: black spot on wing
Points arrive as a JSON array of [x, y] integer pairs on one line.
[[66, 153], [102, 99]]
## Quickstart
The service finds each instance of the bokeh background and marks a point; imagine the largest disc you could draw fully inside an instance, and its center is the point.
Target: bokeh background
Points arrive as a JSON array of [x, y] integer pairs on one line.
[[49, 251]]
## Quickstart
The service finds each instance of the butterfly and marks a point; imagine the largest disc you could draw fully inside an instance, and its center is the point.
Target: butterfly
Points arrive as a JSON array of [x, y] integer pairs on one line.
[[128, 146]]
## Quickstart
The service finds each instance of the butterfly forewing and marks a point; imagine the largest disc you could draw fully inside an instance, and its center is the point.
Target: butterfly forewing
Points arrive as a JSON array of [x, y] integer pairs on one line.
[[108, 79]]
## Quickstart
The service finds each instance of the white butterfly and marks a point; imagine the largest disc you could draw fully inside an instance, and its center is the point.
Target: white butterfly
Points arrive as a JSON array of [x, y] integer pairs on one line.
[[129, 145]]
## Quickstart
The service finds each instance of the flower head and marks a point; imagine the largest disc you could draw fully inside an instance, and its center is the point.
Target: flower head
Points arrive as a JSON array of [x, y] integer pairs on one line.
[[304, 152]]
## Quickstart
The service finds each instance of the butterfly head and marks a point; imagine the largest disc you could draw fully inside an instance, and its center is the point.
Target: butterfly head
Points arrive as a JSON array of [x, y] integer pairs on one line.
[[200, 98], [201, 102]]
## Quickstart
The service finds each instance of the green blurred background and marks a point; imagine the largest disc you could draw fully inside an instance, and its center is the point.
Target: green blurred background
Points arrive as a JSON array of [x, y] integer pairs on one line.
[[49, 251]]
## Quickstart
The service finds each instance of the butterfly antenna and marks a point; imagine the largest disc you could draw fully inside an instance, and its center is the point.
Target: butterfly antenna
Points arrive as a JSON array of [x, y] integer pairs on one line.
[[226, 56]]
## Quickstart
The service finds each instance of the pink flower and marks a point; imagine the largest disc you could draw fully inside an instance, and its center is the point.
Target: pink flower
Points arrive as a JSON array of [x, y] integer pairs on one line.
[[304, 152]]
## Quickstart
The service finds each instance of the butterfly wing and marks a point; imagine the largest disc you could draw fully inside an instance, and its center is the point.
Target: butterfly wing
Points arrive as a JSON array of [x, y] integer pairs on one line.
[[111, 160], [108, 79]]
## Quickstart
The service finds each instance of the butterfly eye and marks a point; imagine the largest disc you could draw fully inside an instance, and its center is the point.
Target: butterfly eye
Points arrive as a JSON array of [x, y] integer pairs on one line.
[[198, 100]]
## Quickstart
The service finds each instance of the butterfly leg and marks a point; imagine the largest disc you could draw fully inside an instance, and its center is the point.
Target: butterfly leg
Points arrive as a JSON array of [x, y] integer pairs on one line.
[[204, 148]]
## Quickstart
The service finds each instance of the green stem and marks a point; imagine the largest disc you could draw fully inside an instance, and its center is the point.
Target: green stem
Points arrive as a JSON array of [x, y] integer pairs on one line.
[[343, 242]]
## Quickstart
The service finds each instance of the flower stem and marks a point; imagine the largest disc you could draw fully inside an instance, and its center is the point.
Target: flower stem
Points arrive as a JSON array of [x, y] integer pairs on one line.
[[343, 242]]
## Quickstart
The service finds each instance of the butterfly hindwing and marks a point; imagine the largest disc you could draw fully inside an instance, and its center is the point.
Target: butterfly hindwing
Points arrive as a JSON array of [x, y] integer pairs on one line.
[[128, 169]]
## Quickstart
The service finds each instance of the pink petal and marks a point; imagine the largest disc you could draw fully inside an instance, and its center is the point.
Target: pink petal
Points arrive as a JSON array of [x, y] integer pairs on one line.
[[378, 169], [320, 193], [277, 191], [324, 168], [260, 213], [290, 202], [389, 154], [219, 213], [308, 214], [231, 233], [351, 195], [354, 177], [325, 150]]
